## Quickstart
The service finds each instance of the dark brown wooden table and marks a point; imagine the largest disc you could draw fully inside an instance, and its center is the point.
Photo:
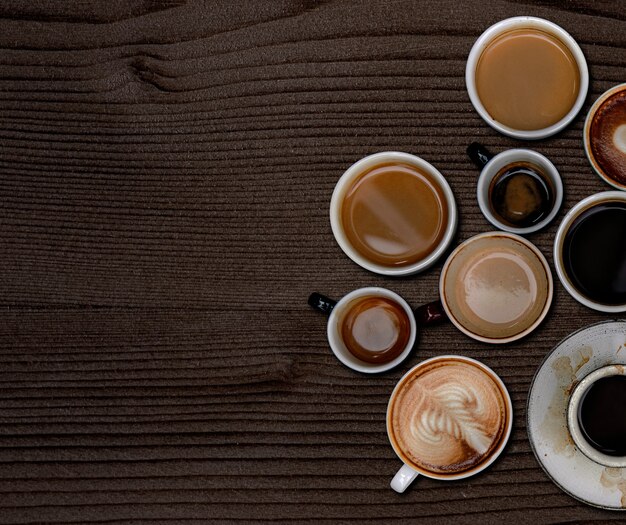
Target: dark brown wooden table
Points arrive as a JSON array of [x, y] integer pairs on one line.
[[165, 173]]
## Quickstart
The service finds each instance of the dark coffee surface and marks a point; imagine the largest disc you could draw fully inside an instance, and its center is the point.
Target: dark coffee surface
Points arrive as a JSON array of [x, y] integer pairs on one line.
[[520, 195], [594, 253], [602, 415], [166, 171]]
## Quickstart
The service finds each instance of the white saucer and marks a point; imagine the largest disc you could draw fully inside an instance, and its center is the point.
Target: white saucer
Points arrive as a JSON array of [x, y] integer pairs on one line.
[[577, 355]]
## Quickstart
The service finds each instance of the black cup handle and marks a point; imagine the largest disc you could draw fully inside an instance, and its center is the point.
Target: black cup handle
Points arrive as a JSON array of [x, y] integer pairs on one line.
[[430, 313], [322, 303], [479, 154]]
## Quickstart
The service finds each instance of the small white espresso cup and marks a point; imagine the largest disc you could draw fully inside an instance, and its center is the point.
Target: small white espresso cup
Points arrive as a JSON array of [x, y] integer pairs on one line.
[[522, 22], [366, 164], [430, 313], [492, 165], [408, 472], [572, 416]]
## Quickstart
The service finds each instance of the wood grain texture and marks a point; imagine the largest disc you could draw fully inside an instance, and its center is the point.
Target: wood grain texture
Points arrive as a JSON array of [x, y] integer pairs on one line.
[[165, 173]]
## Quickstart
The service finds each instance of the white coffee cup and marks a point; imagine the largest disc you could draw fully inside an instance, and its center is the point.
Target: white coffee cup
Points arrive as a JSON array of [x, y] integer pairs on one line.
[[492, 165], [336, 311], [574, 425], [362, 166], [520, 22], [409, 472], [566, 223]]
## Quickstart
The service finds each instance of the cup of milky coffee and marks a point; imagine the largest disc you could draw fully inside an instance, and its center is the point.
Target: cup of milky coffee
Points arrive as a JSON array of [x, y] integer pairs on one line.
[[519, 190], [604, 136], [373, 329], [596, 416], [496, 287], [590, 251], [393, 213], [448, 418], [527, 77]]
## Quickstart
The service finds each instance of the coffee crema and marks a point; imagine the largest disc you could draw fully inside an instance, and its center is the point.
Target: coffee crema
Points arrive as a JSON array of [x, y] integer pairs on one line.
[[521, 195], [375, 329], [602, 415], [448, 417], [607, 136], [394, 214], [594, 253], [496, 287], [527, 79]]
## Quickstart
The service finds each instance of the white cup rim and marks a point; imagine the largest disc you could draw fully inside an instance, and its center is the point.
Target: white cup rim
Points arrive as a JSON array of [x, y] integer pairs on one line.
[[572, 416], [540, 317], [491, 169], [586, 132], [540, 23], [372, 160], [577, 209], [505, 436], [343, 354]]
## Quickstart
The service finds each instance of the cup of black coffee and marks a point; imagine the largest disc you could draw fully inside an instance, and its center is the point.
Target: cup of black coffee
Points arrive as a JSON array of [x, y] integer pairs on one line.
[[590, 251], [519, 190], [596, 416]]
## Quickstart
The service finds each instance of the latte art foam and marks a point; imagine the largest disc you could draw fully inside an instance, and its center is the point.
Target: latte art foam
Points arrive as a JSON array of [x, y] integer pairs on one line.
[[449, 417]]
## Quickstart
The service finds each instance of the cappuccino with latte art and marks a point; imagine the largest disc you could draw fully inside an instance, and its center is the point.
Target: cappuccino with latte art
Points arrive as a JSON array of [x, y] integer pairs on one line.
[[449, 417]]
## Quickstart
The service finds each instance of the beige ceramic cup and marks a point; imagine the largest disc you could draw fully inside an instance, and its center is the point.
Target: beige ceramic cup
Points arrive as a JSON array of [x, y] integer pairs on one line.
[[496, 287]]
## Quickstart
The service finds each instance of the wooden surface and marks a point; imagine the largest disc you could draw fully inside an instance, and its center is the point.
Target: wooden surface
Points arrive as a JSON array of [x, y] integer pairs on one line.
[[165, 174]]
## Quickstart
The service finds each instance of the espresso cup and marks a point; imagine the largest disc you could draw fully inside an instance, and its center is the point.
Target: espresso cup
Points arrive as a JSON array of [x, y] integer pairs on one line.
[[596, 416], [604, 136], [526, 77], [519, 190], [448, 418], [393, 213], [373, 329], [496, 287], [589, 251]]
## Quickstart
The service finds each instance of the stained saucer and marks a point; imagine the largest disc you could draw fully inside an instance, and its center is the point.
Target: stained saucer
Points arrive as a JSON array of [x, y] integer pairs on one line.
[[571, 360]]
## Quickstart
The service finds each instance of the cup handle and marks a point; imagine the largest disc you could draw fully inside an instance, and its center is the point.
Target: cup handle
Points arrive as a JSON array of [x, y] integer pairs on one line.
[[479, 154], [321, 303], [431, 313], [403, 478]]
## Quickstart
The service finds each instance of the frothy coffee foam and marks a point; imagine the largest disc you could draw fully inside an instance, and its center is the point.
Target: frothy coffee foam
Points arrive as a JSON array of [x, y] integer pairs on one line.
[[607, 136], [448, 417]]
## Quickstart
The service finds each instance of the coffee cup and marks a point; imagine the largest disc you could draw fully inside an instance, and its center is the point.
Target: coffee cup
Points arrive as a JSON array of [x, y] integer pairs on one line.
[[596, 416], [527, 77], [496, 287], [519, 190], [393, 213], [448, 418], [373, 329], [604, 136], [589, 253]]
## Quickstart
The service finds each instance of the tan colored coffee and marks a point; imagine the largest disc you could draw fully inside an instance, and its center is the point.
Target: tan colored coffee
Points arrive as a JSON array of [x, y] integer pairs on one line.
[[496, 287], [527, 79], [447, 417], [394, 214]]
